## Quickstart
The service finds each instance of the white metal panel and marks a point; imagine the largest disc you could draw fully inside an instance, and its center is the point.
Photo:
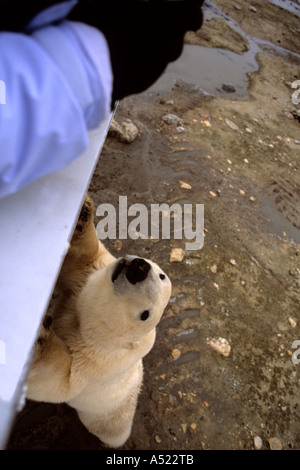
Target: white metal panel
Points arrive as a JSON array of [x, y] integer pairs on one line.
[[36, 226]]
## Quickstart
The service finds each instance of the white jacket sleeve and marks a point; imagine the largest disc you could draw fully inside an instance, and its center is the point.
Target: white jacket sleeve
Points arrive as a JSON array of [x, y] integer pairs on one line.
[[56, 85]]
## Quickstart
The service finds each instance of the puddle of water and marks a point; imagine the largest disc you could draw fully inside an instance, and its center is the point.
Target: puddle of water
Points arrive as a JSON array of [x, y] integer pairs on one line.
[[208, 69], [277, 223], [293, 6], [189, 357]]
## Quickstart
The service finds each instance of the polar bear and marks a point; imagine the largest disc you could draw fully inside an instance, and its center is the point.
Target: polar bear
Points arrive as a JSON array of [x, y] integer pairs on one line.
[[100, 324]]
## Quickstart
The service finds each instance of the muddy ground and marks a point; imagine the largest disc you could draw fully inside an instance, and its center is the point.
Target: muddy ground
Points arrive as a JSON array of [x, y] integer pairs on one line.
[[240, 158]]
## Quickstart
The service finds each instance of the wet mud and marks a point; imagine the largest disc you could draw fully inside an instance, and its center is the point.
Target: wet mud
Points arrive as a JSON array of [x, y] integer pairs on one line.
[[239, 156]]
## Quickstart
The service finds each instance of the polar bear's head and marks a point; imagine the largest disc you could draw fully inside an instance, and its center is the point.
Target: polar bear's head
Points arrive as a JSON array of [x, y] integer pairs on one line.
[[124, 300]]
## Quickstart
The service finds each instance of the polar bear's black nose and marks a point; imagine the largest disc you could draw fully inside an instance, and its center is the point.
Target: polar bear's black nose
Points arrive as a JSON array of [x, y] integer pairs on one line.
[[137, 270]]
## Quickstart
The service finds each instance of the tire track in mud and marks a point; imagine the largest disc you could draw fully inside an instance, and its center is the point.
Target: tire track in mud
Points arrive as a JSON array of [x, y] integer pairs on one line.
[[287, 199]]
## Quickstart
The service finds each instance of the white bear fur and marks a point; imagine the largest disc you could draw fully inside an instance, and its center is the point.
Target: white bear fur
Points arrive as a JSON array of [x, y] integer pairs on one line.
[[91, 355]]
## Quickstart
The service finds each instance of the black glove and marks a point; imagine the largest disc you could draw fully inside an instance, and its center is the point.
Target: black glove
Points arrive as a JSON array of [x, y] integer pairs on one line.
[[16, 14], [143, 36]]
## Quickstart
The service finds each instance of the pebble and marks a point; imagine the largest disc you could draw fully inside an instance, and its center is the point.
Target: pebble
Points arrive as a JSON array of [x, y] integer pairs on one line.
[[229, 87], [175, 353], [126, 131], [185, 185], [172, 119], [176, 255], [207, 123], [118, 245], [221, 345], [231, 124], [253, 9], [293, 322], [184, 427], [233, 262], [258, 442], [275, 443], [214, 268]]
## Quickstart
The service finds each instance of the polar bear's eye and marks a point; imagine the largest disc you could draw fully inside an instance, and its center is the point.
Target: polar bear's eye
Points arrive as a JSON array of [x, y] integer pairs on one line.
[[145, 315], [162, 276]]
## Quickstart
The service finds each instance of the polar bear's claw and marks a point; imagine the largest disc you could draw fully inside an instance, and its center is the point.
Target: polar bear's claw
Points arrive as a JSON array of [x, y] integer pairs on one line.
[[47, 322], [85, 214]]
